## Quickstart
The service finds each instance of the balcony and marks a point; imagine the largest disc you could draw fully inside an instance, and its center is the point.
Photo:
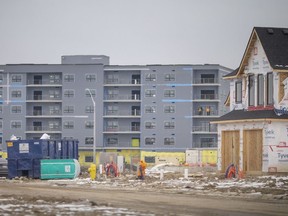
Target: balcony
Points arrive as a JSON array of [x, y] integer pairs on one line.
[[44, 83], [44, 98], [42, 129], [122, 130], [205, 114], [206, 81], [42, 114], [206, 97], [122, 98], [122, 114], [122, 82], [204, 129]]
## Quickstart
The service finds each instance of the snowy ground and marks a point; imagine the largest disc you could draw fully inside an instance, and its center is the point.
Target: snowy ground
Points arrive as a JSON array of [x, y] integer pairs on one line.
[[268, 187]]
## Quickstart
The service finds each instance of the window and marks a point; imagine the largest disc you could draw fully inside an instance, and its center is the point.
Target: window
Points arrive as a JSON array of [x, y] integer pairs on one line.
[[112, 110], [169, 141], [207, 142], [68, 109], [93, 93], [89, 109], [16, 94], [112, 141], [1, 94], [169, 93], [269, 89], [89, 124], [89, 140], [91, 77], [1, 124], [15, 124], [208, 94], [150, 125], [69, 77], [169, 109], [88, 159], [54, 93], [150, 141], [112, 125], [113, 94], [68, 125], [69, 93], [150, 159], [1, 78], [1, 109], [238, 92], [150, 93], [16, 78], [169, 125], [251, 91], [260, 88], [54, 110], [170, 77], [207, 78], [150, 77], [150, 109], [54, 78], [54, 125], [16, 109]]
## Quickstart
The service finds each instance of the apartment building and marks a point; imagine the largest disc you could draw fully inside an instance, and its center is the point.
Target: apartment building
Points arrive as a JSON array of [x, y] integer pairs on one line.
[[137, 107]]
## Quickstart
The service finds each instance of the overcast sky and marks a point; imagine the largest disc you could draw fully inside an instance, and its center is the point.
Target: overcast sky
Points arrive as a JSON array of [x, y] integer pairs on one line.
[[134, 32]]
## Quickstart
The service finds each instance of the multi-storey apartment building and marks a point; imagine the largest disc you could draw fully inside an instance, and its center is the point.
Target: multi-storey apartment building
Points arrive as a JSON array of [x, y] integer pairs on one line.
[[149, 107]]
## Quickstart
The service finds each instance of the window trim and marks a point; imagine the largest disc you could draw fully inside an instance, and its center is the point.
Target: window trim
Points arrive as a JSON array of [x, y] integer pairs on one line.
[[260, 91], [238, 100]]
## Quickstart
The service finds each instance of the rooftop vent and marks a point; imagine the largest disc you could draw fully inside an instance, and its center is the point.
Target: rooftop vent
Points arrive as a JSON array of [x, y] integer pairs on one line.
[[285, 31], [270, 31]]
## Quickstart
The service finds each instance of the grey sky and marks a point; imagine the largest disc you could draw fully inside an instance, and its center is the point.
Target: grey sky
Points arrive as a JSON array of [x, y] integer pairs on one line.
[[133, 31]]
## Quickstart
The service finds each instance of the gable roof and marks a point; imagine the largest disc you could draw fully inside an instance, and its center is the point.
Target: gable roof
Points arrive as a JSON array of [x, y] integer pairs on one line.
[[275, 44], [244, 115]]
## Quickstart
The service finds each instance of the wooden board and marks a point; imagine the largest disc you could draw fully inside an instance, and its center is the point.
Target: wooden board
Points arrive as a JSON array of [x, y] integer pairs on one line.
[[252, 150], [230, 148]]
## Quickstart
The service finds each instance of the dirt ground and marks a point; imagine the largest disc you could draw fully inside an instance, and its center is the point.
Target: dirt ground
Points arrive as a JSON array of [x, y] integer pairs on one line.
[[125, 195]]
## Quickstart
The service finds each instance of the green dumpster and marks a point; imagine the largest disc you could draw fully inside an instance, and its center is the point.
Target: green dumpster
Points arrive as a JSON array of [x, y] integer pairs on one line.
[[60, 169]]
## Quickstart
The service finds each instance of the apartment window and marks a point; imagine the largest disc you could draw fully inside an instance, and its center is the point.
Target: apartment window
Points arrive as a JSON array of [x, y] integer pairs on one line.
[[1, 94], [1, 78], [89, 124], [169, 93], [150, 141], [112, 125], [16, 94], [68, 125], [54, 93], [54, 110], [91, 77], [207, 142], [150, 77], [150, 109], [69, 78], [169, 141], [260, 89], [16, 109], [170, 77], [54, 125], [93, 93], [169, 109], [54, 78], [16, 124], [1, 124], [208, 94], [238, 92], [112, 79], [112, 110], [89, 140], [150, 125], [251, 90], [113, 94], [68, 109], [69, 93], [207, 78], [169, 125], [150, 93], [269, 89], [16, 78], [112, 141], [1, 109], [89, 109]]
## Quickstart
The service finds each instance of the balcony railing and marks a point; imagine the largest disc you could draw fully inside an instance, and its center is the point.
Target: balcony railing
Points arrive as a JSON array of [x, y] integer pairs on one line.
[[122, 97], [122, 129], [42, 113], [44, 97], [43, 128], [206, 80], [44, 82], [122, 81], [122, 113], [208, 128], [206, 97], [206, 113]]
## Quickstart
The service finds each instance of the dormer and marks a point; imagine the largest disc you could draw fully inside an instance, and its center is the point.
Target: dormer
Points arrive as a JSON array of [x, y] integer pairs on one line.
[[260, 81]]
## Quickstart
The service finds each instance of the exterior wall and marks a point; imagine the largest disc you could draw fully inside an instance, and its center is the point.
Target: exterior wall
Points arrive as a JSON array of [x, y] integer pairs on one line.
[[275, 145]]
